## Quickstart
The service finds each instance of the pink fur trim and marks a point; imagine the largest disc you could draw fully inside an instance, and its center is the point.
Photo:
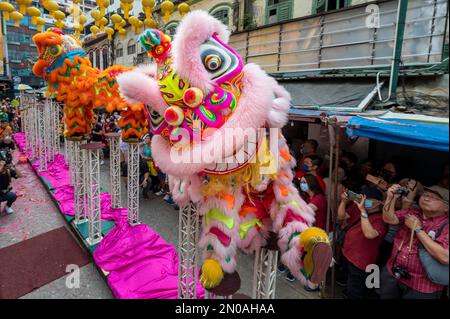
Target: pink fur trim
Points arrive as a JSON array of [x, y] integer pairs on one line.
[[292, 260], [285, 233], [136, 87], [195, 28], [148, 69], [181, 198], [194, 188]]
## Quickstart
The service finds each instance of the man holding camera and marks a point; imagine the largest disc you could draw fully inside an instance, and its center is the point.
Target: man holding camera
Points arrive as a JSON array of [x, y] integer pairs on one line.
[[426, 226], [6, 173]]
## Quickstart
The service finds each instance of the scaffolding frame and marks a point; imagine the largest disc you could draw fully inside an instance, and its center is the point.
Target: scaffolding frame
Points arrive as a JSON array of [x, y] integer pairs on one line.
[[188, 233], [80, 183], [114, 169], [265, 273], [93, 192], [133, 184], [42, 130]]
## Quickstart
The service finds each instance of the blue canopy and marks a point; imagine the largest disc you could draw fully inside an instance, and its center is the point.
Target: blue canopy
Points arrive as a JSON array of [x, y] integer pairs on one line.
[[414, 131]]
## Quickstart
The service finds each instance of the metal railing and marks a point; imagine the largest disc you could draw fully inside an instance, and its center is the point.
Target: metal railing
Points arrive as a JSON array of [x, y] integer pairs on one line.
[[344, 39]]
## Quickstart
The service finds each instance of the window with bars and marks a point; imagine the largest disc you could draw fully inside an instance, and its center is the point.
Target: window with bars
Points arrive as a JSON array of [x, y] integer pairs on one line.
[[320, 6], [97, 59], [18, 37], [223, 15], [278, 10], [119, 52], [131, 49], [105, 58]]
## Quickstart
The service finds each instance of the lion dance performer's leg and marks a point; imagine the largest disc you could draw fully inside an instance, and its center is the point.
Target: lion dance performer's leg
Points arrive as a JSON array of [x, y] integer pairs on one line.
[[220, 234], [305, 250]]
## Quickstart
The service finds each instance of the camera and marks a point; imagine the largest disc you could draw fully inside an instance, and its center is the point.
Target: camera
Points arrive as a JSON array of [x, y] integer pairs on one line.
[[354, 196], [402, 191], [401, 271], [6, 156]]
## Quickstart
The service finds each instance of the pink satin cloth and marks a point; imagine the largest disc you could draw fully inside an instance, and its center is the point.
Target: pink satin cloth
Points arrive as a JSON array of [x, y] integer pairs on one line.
[[141, 264]]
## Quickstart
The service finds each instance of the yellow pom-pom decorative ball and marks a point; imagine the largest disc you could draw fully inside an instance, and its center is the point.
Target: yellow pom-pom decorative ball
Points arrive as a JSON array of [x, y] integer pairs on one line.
[[212, 274]]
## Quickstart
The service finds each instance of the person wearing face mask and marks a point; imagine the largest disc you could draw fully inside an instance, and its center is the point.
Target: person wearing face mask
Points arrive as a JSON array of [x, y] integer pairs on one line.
[[364, 234], [311, 165], [313, 194]]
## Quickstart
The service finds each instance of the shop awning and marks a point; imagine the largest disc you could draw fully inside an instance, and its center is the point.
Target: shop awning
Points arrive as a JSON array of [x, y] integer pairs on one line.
[[413, 130], [330, 97]]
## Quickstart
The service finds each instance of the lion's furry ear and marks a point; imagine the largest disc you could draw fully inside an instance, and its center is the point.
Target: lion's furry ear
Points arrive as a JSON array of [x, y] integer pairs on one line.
[[195, 28]]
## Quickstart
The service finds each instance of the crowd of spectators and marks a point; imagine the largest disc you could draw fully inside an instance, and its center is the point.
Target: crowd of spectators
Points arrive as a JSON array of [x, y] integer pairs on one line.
[[383, 219], [9, 124]]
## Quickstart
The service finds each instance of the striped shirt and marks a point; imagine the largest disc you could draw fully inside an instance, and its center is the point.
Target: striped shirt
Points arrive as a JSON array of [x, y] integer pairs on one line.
[[410, 258]]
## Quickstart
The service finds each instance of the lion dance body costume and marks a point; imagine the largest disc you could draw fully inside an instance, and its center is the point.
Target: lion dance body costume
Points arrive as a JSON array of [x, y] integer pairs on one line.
[[200, 91], [68, 72]]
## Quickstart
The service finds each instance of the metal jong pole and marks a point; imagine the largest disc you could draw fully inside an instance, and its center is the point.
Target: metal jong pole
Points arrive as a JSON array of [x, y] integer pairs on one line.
[[47, 132], [188, 233], [93, 192], [84, 209], [21, 101], [265, 270], [56, 108], [133, 184], [36, 130], [71, 160], [66, 151], [51, 140], [42, 139], [114, 169], [33, 125], [79, 185]]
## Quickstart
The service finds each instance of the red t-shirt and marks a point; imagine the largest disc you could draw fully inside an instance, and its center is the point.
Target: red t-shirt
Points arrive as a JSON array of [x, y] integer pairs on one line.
[[322, 185], [320, 202], [410, 259], [358, 249]]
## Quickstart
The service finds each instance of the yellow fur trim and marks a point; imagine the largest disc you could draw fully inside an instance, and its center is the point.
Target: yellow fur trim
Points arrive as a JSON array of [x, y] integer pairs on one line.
[[308, 239], [212, 274], [249, 176]]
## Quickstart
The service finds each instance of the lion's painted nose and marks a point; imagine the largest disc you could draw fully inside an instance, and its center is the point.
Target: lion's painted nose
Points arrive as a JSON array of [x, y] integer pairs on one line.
[[39, 68]]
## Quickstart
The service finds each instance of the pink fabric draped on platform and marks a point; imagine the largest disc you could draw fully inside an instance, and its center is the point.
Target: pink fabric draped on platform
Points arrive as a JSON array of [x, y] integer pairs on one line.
[[141, 264]]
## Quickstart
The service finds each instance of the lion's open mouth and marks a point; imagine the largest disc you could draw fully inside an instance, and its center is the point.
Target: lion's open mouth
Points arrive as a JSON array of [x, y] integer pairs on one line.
[[239, 158]]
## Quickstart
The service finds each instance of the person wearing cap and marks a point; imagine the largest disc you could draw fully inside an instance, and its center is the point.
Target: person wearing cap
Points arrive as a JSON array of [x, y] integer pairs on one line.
[[364, 234], [427, 225]]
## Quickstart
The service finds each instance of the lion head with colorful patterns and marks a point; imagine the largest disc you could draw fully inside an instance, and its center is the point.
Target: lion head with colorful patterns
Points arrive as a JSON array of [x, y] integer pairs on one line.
[[201, 88]]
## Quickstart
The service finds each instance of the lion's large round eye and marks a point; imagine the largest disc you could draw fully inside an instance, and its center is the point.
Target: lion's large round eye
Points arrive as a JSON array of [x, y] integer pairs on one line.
[[213, 62], [55, 50]]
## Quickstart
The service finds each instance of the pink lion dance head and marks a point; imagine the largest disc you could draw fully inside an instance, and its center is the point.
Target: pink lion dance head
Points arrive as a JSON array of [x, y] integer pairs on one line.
[[202, 98], [201, 88]]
